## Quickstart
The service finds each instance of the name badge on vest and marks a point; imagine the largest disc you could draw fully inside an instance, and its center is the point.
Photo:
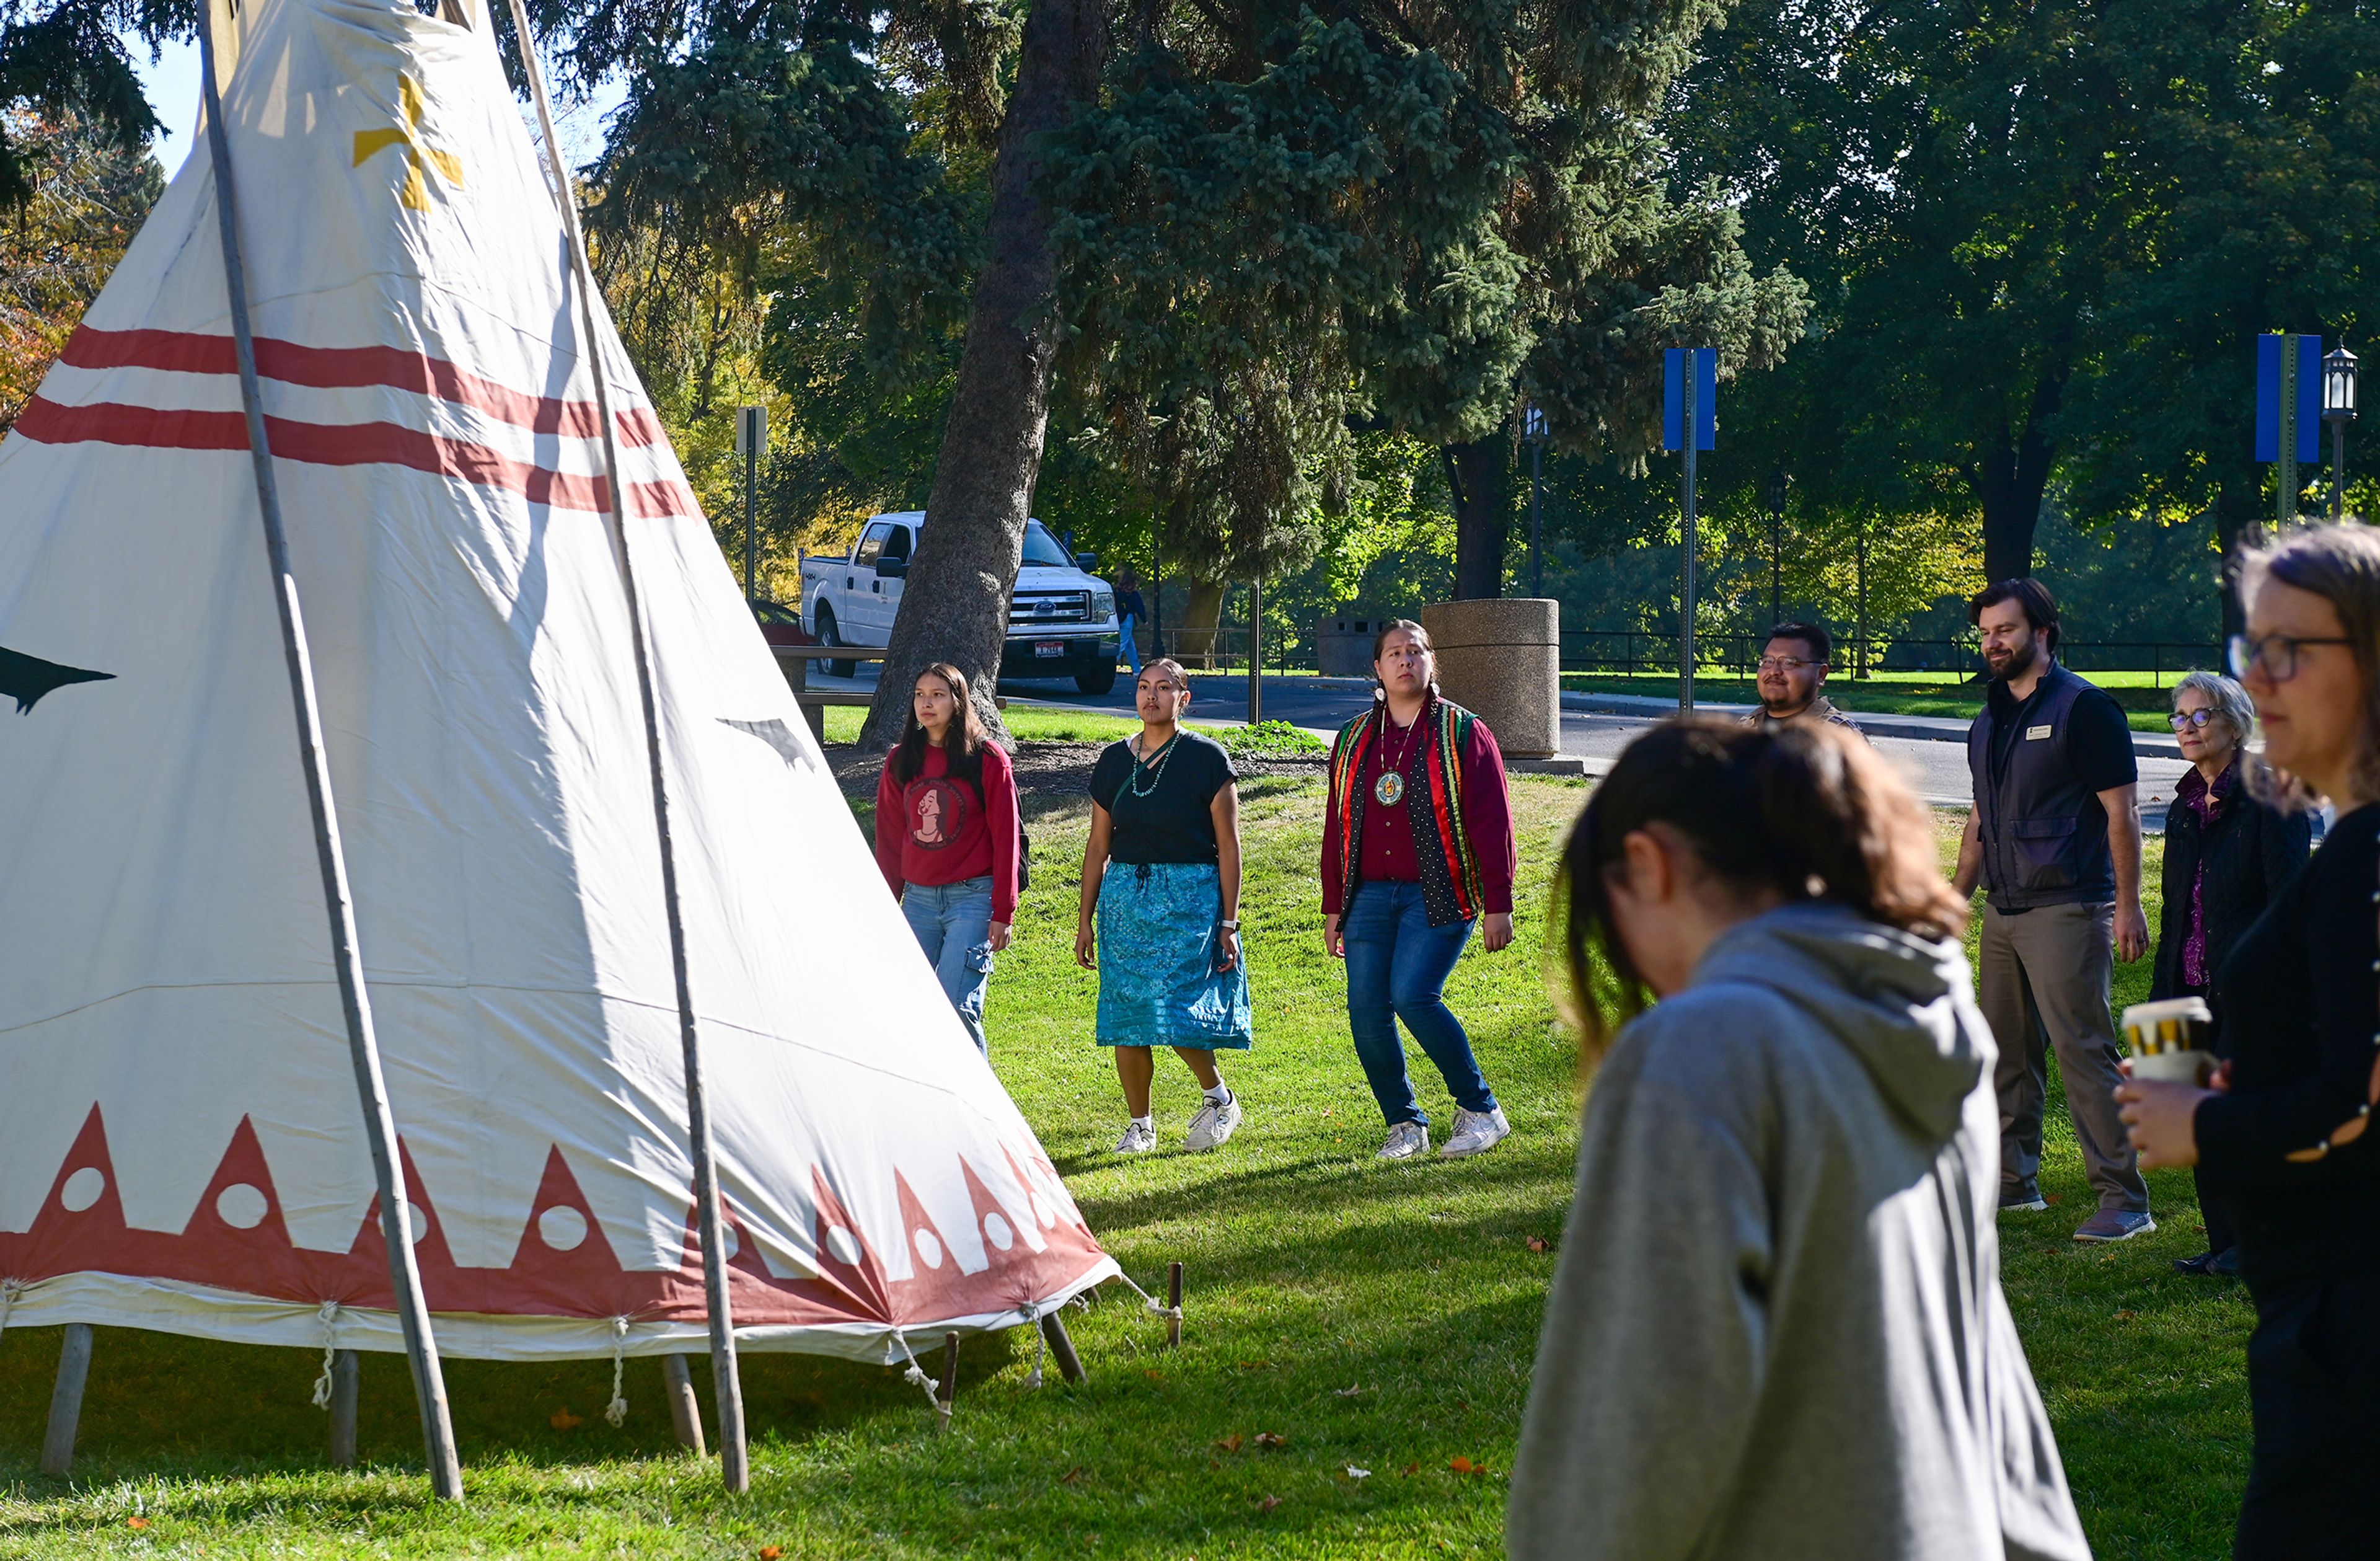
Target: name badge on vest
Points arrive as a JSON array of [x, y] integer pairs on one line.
[[2035, 733]]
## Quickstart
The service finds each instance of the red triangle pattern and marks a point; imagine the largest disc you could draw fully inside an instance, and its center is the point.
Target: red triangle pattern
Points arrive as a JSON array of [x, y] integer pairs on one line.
[[238, 1240]]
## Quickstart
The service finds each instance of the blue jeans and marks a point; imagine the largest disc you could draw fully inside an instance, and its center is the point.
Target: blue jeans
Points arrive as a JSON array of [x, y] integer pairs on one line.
[[1397, 966], [954, 926], [1130, 647]]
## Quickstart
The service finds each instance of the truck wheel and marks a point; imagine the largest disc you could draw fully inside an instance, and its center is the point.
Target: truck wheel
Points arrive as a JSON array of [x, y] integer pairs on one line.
[[827, 635], [1101, 681]]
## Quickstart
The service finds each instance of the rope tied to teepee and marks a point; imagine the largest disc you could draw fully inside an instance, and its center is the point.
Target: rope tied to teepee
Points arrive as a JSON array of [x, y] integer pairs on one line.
[[329, 1315], [1040, 1343], [9, 1290], [917, 1373], [616, 1412], [1155, 1305]]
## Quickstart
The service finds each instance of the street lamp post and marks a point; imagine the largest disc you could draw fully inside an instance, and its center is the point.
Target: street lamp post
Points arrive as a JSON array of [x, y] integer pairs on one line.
[[2339, 410], [1533, 429], [1776, 489]]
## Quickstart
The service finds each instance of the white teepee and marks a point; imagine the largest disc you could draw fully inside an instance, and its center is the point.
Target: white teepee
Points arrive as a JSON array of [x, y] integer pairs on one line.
[[180, 1142]]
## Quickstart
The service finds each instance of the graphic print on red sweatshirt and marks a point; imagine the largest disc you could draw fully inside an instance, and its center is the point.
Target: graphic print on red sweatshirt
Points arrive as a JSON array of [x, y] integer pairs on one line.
[[939, 811]]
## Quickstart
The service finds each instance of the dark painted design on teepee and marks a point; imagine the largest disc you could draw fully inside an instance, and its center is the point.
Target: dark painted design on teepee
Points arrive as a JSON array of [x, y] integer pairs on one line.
[[26, 679]]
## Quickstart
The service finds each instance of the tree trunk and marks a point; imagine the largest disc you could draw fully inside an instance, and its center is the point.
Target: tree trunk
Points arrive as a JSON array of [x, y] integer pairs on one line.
[[955, 605], [2009, 475], [1201, 616], [1477, 473]]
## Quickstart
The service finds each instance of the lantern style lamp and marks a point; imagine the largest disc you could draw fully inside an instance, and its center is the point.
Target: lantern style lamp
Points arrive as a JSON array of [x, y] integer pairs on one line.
[[2339, 410]]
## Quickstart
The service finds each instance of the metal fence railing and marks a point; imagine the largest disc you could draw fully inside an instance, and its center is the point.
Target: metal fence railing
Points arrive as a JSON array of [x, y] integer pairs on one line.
[[1594, 650], [1225, 649]]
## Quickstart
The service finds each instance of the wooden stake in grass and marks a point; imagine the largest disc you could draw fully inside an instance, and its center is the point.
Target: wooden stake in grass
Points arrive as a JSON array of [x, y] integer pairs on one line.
[[686, 1414], [1172, 1305], [346, 1388], [950, 1383], [65, 1400], [1062, 1348]]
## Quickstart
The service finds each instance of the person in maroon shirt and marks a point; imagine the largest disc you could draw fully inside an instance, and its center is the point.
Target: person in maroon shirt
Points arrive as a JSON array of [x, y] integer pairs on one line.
[[1416, 850], [946, 834]]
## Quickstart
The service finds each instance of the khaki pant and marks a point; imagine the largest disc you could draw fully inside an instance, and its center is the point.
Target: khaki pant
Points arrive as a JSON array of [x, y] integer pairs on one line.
[[2045, 975]]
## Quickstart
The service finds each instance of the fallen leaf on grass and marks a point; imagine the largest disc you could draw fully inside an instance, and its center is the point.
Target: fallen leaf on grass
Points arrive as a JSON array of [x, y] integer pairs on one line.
[[1268, 1504], [1354, 1474], [1154, 1375], [563, 1419], [2050, 1198], [135, 1522], [1462, 1465], [1413, 1468], [1071, 1476], [2126, 1315], [770, 1552], [1539, 1243], [1229, 1443], [1271, 1441]]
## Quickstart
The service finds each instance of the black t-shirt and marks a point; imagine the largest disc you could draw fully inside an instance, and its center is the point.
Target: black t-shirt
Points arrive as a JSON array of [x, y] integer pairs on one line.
[[1162, 813]]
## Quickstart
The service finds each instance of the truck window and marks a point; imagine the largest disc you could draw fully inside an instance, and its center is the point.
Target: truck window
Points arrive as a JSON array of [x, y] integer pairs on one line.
[[871, 541], [1041, 548], [896, 546]]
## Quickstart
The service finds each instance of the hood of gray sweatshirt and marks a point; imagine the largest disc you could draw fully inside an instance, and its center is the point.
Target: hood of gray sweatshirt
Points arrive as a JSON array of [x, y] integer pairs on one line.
[[1777, 1328]]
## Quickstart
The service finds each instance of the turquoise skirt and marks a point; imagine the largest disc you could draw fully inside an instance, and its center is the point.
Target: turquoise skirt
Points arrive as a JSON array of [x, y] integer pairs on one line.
[[1158, 982]]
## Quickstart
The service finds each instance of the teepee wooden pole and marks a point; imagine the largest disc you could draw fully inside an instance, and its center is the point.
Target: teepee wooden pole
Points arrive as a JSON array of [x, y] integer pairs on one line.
[[734, 1465], [380, 1125], [65, 1400], [347, 1390], [685, 1411]]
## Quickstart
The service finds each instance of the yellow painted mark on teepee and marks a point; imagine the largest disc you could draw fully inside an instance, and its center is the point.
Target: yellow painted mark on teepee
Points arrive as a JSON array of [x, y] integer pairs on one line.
[[415, 194]]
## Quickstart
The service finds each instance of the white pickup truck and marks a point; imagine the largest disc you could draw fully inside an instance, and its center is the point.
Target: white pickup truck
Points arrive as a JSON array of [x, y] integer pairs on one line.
[[1062, 620]]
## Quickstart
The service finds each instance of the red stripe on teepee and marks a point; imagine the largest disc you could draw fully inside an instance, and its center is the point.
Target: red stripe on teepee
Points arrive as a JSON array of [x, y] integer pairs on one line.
[[361, 444], [350, 368]]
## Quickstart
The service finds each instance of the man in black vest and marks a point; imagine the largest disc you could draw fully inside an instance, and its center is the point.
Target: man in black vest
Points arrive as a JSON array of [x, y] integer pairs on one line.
[[2055, 839]]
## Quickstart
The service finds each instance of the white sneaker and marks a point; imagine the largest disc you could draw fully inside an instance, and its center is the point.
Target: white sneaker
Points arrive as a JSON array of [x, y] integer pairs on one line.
[[1475, 1132], [1214, 1124], [1138, 1138], [1405, 1140]]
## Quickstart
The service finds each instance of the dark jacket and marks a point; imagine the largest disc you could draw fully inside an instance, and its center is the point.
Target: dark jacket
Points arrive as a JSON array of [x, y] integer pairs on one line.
[[2250, 851], [2038, 766]]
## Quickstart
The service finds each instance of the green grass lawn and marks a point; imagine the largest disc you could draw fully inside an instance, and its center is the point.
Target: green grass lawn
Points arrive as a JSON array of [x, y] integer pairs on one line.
[[2147, 697], [1377, 1318]]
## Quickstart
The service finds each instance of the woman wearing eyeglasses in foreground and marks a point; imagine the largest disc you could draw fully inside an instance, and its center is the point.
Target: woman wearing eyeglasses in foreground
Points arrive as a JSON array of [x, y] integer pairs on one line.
[[2281, 1136], [1778, 1327], [2227, 854]]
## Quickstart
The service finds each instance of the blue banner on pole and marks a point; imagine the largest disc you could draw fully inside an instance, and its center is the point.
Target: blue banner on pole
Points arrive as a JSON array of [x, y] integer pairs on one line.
[[2309, 399], [1681, 367], [2268, 397]]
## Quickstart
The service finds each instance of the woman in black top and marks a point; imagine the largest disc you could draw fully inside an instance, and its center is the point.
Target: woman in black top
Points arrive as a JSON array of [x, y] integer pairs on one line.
[[1161, 876], [2227, 854], [2282, 1136]]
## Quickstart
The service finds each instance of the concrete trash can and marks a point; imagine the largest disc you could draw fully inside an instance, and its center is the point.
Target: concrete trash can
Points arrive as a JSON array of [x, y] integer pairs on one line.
[[1342, 647], [1501, 659]]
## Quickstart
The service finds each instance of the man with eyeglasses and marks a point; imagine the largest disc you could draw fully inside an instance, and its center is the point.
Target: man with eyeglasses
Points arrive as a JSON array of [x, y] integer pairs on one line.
[[1792, 677], [2055, 839]]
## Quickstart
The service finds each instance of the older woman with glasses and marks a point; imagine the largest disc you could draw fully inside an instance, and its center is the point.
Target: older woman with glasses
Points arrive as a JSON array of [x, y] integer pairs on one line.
[[2227, 854], [2281, 1135]]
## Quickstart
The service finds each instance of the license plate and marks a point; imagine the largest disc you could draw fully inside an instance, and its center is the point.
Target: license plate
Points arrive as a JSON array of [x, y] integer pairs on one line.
[[1049, 647]]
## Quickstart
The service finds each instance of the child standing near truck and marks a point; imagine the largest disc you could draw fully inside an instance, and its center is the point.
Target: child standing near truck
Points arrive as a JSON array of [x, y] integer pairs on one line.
[[946, 834]]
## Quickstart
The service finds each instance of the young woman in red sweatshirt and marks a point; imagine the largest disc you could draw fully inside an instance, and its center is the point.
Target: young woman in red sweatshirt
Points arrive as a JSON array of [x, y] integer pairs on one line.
[[946, 836]]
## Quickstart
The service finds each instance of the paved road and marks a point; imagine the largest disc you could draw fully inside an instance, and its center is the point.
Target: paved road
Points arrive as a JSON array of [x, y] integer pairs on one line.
[[1935, 761]]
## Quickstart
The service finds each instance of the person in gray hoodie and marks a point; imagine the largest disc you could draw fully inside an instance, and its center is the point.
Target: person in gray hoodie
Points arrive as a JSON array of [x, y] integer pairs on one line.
[[1777, 1330]]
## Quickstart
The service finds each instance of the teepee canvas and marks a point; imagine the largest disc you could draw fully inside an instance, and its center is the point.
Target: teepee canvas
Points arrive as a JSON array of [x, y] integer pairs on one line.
[[180, 1142]]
